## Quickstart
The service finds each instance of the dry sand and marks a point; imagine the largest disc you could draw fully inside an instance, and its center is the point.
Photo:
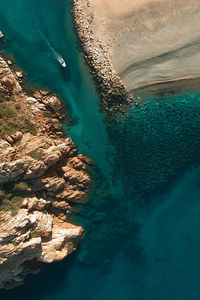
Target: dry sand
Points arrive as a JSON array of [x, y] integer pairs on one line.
[[151, 41]]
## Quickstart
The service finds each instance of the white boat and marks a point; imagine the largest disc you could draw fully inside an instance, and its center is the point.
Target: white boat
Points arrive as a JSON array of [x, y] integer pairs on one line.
[[61, 61]]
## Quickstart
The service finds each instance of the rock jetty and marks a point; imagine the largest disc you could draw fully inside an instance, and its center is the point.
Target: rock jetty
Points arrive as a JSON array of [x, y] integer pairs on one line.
[[110, 87]]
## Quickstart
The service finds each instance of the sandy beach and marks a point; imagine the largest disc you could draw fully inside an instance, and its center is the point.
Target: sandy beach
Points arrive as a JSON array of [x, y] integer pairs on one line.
[[149, 41]]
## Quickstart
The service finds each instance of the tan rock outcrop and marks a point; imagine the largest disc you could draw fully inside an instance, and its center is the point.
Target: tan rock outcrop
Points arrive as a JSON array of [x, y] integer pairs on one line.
[[32, 235], [8, 82], [40, 173]]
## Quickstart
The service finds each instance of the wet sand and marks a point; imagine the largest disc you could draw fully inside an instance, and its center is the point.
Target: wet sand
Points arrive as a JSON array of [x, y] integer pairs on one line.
[[149, 41]]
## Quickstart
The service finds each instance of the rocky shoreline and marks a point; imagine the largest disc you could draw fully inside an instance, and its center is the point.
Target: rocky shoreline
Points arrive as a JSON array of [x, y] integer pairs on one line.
[[42, 178], [109, 85]]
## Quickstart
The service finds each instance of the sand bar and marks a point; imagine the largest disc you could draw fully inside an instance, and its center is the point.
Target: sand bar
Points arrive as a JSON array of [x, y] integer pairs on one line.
[[148, 41]]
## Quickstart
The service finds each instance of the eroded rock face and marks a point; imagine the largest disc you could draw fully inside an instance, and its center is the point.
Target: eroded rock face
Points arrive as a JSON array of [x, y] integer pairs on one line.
[[33, 235], [32, 157], [8, 81], [41, 176]]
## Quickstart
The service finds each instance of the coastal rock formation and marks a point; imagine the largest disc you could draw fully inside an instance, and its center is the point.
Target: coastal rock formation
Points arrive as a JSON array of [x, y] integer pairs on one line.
[[148, 41], [41, 178], [32, 234]]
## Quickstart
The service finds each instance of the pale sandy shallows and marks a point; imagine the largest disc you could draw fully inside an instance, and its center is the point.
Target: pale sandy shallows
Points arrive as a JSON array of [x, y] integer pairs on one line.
[[150, 41]]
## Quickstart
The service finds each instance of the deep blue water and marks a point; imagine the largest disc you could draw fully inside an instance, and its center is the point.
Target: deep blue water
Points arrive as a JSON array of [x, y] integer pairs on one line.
[[143, 219]]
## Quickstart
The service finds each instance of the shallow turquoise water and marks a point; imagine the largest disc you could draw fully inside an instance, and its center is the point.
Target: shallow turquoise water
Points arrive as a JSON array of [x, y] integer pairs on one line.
[[147, 244], [34, 47]]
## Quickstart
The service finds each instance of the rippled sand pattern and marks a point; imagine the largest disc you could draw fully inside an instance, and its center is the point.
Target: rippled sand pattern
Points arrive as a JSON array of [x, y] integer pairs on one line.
[[150, 41]]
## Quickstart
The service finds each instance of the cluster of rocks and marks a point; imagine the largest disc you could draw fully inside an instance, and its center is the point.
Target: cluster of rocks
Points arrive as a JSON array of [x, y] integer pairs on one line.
[[32, 158], [33, 235], [48, 106], [56, 177], [110, 86], [8, 80]]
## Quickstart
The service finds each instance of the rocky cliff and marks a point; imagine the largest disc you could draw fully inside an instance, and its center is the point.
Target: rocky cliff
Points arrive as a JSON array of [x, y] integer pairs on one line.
[[41, 178]]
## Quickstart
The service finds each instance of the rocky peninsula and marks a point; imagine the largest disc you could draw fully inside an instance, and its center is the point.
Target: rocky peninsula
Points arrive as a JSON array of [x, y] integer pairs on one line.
[[42, 178]]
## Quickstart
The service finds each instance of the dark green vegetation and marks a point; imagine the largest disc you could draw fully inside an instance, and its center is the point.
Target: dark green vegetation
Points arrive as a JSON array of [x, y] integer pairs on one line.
[[21, 188], [35, 234], [28, 88], [9, 202], [12, 195], [12, 121], [36, 154]]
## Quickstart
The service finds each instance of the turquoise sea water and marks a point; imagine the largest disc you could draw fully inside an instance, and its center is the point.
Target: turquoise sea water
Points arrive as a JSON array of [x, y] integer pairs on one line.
[[143, 219]]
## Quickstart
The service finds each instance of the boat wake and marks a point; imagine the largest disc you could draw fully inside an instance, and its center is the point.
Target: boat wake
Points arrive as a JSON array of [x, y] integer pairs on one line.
[[55, 55]]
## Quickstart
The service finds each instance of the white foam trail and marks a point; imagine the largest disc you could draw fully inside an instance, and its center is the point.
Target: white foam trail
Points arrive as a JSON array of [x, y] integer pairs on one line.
[[78, 127], [57, 56]]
